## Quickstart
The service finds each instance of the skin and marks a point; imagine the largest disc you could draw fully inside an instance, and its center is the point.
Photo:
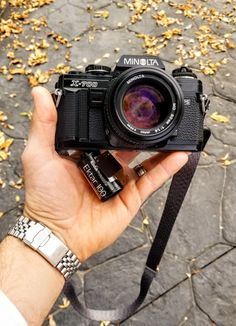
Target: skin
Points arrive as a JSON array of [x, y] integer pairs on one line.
[[58, 196]]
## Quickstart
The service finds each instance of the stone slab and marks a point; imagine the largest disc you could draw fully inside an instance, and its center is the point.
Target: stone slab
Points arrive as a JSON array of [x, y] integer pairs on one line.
[[229, 199], [91, 3], [118, 18], [197, 226], [103, 48], [69, 21], [225, 132], [214, 290], [225, 81], [197, 318], [197, 241], [8, 199], [8, 220], [171, 309], [117, 282], [133, 237], [16, 98], [208, 256]]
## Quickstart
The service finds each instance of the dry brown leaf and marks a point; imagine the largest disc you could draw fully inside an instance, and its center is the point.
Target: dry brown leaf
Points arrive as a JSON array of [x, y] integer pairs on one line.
[[27, 114], [65, 303], [225, 160], [5, 143], [101, 14], [37, 58], [225, 157], [8, 126], [3, 4], [16, 184], [58, 38], [2, 183], [219, 118], [146, 221], [38, 77], [51, 321], [3, 117], [4, 146], [105, 323], [162, 19], [17, 71], [172, 32], [3, 155]]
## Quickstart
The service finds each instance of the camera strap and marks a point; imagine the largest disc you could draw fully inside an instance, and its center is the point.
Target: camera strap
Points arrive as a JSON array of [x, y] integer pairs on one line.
[[178, 189]]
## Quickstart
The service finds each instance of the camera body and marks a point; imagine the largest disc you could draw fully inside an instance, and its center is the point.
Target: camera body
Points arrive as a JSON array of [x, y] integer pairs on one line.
[[137, 106]]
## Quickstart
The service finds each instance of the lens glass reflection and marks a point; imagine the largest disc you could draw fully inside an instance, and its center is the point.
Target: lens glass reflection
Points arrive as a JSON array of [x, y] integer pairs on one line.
[[143, 107]]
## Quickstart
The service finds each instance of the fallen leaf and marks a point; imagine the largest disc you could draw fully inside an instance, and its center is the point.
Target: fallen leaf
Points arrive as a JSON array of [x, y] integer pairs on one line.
[[101, 13], [37, 58], [65, 303], [145, 221], [105, 323], [106, 55], [3, 117], [225, 157], [225, 160], [27, 114], [2, 183], [51, 321], [219, 118], [4, 146]]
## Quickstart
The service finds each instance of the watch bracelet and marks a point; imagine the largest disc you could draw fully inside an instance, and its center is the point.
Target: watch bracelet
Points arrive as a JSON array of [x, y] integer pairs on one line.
[[68, 264]]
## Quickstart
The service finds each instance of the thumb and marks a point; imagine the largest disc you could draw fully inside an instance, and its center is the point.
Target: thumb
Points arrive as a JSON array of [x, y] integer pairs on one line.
[[43, 125]]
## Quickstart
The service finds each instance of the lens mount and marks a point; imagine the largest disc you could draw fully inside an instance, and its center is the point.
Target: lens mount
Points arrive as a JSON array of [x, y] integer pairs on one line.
[[144, 105]]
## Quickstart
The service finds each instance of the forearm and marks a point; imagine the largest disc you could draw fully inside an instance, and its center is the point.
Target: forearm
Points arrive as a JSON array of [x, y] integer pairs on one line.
[[28, 280]]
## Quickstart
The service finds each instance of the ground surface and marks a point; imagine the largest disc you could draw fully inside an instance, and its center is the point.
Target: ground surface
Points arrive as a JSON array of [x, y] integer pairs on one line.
[[196, 283]]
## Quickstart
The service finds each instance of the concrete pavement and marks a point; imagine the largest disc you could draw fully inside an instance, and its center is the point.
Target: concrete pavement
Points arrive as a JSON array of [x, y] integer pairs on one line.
[[196, 283]]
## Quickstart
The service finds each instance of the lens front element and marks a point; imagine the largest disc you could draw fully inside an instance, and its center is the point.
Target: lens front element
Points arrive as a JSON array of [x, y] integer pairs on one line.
[[143, 107]]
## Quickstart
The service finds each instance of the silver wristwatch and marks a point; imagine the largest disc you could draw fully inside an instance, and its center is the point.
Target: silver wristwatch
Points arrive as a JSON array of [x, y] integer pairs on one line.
[[40, 238]]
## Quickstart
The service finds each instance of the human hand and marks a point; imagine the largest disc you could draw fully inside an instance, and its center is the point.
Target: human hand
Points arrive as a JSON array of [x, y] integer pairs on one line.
[[58, 195]]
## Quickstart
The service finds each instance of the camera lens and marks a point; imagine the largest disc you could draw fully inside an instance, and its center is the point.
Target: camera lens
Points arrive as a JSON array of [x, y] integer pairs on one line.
[[144, 107]]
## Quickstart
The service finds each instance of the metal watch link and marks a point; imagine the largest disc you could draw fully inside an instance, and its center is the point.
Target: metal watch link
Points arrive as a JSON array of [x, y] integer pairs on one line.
[[41, 239]]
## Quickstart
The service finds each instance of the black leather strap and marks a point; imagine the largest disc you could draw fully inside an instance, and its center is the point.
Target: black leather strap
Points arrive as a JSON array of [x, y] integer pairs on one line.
[[178, 189]]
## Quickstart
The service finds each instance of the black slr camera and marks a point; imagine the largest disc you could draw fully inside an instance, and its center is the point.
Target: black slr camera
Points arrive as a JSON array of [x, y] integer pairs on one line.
[[136, 106]]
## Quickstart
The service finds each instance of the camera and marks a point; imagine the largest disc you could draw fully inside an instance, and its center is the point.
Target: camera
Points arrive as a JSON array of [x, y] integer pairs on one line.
[[135, 106]]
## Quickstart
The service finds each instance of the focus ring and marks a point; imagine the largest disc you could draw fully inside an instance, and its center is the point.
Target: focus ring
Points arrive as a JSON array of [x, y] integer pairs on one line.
[[165, 85]]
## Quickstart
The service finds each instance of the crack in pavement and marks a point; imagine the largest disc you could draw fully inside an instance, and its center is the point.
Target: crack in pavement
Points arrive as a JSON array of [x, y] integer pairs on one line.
[[222, 96], [221, 204], [220, 140], [12, 136], [180, 282], [197, 304], [115, 257], [19, 206], [193, 288]]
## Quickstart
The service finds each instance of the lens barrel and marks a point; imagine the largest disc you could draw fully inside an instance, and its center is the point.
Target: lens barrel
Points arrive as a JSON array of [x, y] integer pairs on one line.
[[144, 106]]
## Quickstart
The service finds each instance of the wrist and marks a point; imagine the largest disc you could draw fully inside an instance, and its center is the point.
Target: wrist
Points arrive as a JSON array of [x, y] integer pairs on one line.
[[49, 221], [28, 280], [41, 239], [66, 232]]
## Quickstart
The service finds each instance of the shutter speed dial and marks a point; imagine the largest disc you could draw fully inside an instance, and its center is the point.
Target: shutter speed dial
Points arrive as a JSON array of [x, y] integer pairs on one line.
[[98, 69]]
